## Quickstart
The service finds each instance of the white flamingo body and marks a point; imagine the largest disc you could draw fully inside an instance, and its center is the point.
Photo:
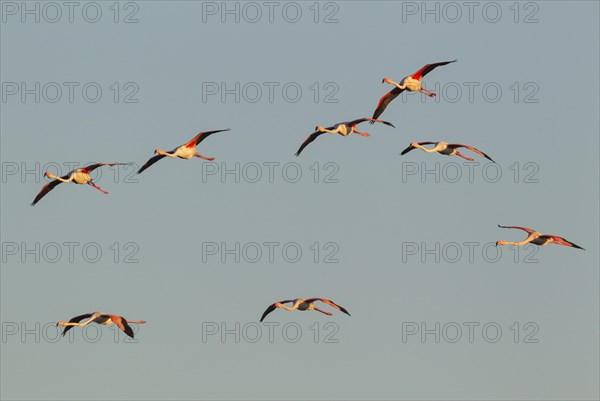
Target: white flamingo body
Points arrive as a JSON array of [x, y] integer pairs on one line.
[[185, 151], [409, 84]]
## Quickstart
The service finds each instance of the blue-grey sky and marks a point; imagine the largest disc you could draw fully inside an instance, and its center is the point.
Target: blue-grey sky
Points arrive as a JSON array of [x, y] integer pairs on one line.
[[533, 71]]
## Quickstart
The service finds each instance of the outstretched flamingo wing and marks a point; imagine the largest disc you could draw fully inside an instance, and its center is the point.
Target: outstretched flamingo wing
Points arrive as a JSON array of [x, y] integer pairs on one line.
[[384, 101], [561, 241], [527, 230], [76, 319], [121, 323], [94, 166], [479, 152], [150, 162], [311, 138], [47, 188], [272, 307], [202, 136], [329, 302], [428, 68], [372, 120]]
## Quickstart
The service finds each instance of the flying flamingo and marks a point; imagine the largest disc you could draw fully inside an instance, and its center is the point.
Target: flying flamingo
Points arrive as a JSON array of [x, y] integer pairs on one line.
[[537, 239], [344, 129], [303, 304], [448, 149], [100, 318], [411, 83], [185, 151], [77, 176]]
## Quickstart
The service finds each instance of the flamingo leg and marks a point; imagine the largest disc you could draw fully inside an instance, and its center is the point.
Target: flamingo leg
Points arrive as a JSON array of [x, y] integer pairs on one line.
[[198, 155], [97, 187], [426, 92], [463, 156], [361, 133], [322, 311]]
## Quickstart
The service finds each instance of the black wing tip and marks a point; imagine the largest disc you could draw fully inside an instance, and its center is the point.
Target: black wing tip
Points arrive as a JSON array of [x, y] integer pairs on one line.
[[405, 151], [577, 246], [345, 311]]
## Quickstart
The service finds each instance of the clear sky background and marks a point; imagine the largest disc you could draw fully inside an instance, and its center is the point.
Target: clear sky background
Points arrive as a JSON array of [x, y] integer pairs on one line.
[[371, 213]]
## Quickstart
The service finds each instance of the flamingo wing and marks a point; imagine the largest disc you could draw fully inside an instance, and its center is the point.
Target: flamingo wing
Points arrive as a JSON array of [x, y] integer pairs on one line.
[[272, 307], [561, 241], [384, 101], [311, 138], [371, 120], [121, 323], [76, 319], [94, 166], [527, 230], [150, 162], [47, 188], [428, 68], [329, 302], [479, 152], [202, 136]]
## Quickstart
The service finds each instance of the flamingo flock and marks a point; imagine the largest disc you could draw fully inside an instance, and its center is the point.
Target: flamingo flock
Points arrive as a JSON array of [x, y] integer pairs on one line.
[[189, 150]]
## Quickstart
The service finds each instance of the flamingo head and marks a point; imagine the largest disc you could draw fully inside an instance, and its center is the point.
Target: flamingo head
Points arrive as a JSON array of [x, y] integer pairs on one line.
[[386, 81], [319, 128], [278, 304], [500, 242], [157, 151]]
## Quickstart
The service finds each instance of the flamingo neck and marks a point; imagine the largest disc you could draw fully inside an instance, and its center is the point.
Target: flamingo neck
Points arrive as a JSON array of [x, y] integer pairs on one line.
[[55, 177], [423, 148]]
